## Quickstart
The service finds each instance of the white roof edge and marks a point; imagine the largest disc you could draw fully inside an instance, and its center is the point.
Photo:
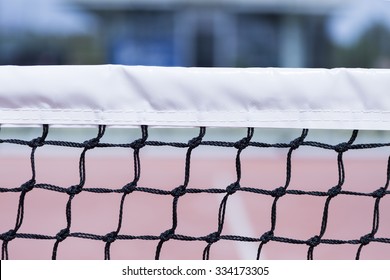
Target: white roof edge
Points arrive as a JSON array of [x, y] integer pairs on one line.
[[221, 3], [219, 97], [261, 6]]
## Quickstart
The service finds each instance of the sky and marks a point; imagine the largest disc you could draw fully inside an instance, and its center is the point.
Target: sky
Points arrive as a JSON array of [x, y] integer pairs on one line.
[[347, 25], [43, 16]]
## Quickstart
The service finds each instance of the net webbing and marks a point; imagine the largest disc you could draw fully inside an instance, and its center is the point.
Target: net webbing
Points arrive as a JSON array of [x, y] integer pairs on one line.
[[178, 192]]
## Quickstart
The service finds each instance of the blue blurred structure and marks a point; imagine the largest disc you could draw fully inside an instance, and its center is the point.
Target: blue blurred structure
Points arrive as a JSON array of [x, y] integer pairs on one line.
[[243, 33], [213, 33]]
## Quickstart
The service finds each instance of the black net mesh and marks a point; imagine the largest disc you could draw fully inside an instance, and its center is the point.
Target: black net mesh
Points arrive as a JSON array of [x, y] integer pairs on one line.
[[178, 192]]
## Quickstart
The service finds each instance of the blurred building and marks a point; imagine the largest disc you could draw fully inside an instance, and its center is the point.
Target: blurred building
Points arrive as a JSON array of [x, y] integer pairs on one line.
[[236, 33], [283, 33]]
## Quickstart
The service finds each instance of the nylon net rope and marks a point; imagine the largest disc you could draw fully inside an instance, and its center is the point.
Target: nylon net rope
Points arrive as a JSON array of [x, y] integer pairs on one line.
[[177, 193]]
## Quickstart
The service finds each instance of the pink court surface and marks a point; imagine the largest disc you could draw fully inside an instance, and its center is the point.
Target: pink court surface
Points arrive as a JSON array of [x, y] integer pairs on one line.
[[247, 214]]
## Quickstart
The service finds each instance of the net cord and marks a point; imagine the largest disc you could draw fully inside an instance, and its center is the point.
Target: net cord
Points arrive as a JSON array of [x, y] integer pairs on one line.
[[277, 194]]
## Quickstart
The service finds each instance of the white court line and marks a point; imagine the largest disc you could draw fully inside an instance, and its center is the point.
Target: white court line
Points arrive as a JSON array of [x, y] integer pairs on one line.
[[238, 220]]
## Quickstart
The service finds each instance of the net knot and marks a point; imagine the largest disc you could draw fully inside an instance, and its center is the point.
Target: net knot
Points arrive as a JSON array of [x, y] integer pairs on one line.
[[90, 144], [242, 144], [332, 192], [73, 190], [166, 235], [278, 192], [138, 144], [28, 186], [232, 188], [194, 142], [110, 237], [179, 191], [8, 236], [379, 193], [364, 240], [63, 234], [314, 241], [294, 144], [342, 147], [129, 188], [267, 236], [37, 142], [212, 237]]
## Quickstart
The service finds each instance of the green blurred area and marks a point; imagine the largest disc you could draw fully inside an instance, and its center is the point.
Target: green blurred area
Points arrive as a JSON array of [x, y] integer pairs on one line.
[[371, 51], [35, 49]]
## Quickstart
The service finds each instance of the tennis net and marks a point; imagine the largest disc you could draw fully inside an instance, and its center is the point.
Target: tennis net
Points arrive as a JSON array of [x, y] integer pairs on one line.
[[96, 180]]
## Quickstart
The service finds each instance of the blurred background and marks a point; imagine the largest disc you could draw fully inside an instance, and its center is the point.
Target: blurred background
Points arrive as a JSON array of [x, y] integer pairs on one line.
[[204, 33], [233, 33]]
